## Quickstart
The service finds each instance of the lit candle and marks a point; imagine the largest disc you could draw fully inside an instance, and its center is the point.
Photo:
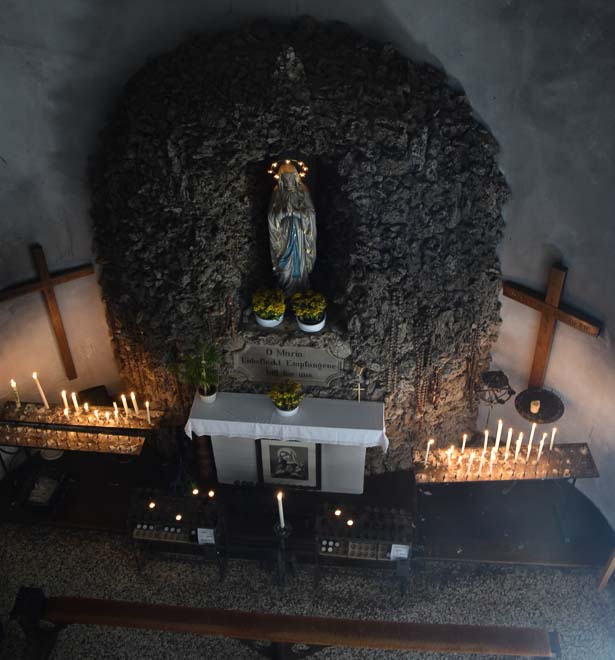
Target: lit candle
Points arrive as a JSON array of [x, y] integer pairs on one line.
[[518, 446], [429, 443], [16, 394], [553, 432], [97, 415], [280, 509], [540, 447], [133, 398], [529, 444], [463, 442], [498, 435], [116, 412], [149, 419], [508, 440], [470, 463], [86, 407], [486, 441], [40, 389], [449, 453], [67, 413], [64, 399], [125, 404], [73, 396], [107, 415]]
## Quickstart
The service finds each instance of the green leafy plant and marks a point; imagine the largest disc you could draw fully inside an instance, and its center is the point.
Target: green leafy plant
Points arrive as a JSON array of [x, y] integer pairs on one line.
[[200, 368], [309, 306], [286, 395], [269, 304]]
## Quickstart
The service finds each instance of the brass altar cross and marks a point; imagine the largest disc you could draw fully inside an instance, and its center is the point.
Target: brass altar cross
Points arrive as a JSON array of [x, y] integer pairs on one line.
[[45, 284], [551, 311]]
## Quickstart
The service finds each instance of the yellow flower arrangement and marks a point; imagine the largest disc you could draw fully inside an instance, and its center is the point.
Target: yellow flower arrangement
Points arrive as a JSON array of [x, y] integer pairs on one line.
[[286, 395], [268, 303], [309, 306]]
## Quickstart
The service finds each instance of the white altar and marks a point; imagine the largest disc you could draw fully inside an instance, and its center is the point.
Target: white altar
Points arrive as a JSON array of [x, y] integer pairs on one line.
[[343, 429]]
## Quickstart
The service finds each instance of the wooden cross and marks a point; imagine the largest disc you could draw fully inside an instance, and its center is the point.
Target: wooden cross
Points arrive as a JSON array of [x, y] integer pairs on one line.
[[552, 311], [45, 284]]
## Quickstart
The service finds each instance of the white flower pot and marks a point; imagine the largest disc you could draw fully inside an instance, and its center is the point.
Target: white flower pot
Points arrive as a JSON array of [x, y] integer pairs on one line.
[[268, 323], [208, 398], [287, 413], [312, 327]]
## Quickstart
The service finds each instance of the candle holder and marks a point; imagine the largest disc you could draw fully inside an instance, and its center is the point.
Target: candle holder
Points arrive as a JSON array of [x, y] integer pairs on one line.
[[33, 425], [284, 564]]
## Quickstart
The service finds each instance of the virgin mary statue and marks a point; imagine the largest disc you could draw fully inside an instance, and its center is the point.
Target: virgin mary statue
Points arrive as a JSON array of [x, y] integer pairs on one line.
[[292, 231]]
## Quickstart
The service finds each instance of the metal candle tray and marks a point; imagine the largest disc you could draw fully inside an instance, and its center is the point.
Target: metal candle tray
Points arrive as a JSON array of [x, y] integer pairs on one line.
[[565, 461], [33, 425]]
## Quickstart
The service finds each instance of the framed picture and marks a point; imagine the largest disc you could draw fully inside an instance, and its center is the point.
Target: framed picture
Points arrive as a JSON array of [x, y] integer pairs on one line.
[[286, 463]]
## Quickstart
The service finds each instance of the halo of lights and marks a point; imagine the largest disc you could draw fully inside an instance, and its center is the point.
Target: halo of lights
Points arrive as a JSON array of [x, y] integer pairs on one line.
[[302, 168]]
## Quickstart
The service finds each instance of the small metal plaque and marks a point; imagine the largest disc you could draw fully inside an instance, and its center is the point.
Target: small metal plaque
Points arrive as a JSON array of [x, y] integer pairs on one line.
[[271, 364]]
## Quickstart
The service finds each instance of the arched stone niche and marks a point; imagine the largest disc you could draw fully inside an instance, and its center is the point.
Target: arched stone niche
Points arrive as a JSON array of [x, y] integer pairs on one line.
[[408, 197]]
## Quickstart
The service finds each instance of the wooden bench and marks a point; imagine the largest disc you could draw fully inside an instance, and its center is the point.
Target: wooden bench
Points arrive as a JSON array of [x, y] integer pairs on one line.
[[282, 631]]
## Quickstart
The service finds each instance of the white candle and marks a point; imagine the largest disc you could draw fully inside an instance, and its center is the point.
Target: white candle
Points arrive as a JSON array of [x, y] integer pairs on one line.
[[64, 399], [429, 443], [481, 463], [86, 407], [492, 460], [532, 434], [463, 442], [518, 446], [449, 453], [498, 435], [280, 509], [97, 415], [508, 440], [542, 444], [125, 404], [40, 389], [553, 432], [67, 412], [486, 440], [133, 398], [149, 419], [73, 396], [116, 412], [16, 394], [107, 415], [470, 463]]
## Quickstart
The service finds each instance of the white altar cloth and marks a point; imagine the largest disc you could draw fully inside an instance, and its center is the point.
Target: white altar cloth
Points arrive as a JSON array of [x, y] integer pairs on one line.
[[326, 421]]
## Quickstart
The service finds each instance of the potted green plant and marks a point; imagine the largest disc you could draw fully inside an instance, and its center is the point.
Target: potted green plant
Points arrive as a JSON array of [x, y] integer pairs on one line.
[[200, 369], [286, 397], [310, 310], [269, 307]]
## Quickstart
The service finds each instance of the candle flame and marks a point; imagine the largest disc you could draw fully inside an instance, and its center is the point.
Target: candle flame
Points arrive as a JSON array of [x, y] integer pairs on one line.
[[279, 495], [13, 383], [34, 375]]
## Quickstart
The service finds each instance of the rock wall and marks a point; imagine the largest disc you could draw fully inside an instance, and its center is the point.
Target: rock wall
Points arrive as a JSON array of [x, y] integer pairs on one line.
[[408, 197]]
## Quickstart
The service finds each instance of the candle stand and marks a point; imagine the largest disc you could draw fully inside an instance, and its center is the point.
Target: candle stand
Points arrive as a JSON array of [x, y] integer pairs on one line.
[[34, 426], [564, 461], [284, 563]]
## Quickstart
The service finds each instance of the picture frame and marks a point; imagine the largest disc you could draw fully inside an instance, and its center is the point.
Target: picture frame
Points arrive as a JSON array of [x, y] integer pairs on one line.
[[288, 463]]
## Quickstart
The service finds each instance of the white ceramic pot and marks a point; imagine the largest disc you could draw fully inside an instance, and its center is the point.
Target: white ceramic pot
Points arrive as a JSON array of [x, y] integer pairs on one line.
[[312, 327], [208, 398], [268, 323], [287, 413]]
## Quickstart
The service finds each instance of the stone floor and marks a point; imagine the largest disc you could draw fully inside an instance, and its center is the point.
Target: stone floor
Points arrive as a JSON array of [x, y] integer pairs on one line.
[[101, 565]]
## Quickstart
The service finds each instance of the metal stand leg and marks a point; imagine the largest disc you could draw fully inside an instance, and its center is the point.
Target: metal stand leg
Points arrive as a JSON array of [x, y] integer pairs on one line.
[[283, 563], [28, 612]]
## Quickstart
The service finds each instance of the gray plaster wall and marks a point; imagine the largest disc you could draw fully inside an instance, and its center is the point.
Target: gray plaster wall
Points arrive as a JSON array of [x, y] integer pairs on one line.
[[540, 74]]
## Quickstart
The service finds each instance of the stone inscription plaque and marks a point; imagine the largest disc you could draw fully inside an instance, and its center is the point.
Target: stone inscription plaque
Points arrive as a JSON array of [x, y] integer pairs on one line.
[[271, 364]]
